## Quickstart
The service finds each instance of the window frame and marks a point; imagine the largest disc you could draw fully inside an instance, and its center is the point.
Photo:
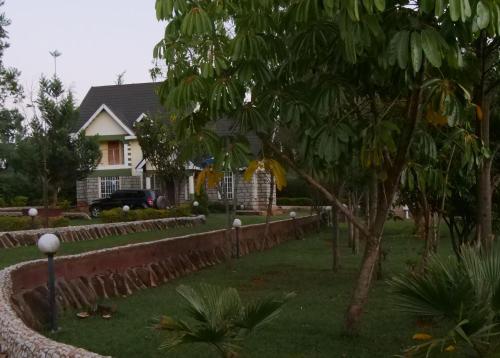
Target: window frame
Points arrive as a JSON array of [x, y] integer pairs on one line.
[[108, 185], [228, 185]]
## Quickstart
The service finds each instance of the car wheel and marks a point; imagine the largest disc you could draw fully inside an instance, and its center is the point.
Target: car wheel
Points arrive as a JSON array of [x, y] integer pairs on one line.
[[95, 211]]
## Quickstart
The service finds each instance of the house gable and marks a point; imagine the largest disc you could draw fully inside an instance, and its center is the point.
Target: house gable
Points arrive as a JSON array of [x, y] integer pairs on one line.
[[105, 122]]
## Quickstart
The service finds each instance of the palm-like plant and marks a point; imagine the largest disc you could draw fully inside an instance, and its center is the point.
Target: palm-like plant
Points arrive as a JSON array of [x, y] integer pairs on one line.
[[217, 316], [464, 294]]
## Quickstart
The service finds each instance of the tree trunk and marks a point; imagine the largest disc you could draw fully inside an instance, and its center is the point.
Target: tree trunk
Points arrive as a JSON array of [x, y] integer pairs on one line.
[[426, 232], [335, 240], [484, 233], [373, 240], [235, 193], [350, 226], [269, 211], [355, 231]]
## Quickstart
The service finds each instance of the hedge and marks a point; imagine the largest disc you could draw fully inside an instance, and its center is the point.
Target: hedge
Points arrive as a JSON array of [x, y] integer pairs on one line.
[[14, 223], [294, 201], [118, 215]]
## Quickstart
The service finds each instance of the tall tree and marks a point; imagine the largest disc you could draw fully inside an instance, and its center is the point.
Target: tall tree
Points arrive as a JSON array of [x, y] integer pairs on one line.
[[312, 67], [163, 151], [61, 157]]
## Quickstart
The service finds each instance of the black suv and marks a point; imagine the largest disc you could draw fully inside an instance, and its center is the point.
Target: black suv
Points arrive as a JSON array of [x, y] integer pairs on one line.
[[135, 199]]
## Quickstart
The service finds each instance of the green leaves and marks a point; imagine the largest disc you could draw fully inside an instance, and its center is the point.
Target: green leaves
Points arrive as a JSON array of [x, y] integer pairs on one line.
[[416, 51], [459, 9], [248, 46], [482, 15], [431, 44], [220, 319], [196, 22], [403, 49], [402, 45]]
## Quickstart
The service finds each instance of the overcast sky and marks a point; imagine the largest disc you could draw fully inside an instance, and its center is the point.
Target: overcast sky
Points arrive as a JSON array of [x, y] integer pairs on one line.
[[97, 38]]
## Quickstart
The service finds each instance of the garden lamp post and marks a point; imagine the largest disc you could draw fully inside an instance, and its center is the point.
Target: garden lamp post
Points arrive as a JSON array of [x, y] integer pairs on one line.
[[293, 215], [49, 244], [125, 210], [32, 213], [196, 204], [237, 225]]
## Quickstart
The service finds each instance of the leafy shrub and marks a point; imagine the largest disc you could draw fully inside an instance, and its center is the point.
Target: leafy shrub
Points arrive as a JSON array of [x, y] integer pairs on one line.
[[462, 295], [182, 210], [218, 207], [202, 199], [19, 201], [219, 315], [295, 188], [59, 221], [118, 215], [64, 204], [14, 223], [294, 201], [2, 202]]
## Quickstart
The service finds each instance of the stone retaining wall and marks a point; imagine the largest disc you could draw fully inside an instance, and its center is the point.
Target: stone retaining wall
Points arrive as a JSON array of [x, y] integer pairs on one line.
[[92, 232], [85, 278]]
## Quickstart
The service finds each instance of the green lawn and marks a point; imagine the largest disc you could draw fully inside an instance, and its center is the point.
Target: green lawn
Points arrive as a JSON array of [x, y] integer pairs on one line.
[[309, 325], [214, 221]]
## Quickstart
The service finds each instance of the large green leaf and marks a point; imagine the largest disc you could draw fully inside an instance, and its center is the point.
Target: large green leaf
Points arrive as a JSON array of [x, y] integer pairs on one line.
[[403, 49], [482, 15], [196, 22], [431, 47], [465, 10], [454, 10], [416, 50], [380, 5]]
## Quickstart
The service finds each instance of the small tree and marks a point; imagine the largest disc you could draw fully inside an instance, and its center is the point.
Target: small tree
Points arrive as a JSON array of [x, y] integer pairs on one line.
[[162, 150], [217, 317]]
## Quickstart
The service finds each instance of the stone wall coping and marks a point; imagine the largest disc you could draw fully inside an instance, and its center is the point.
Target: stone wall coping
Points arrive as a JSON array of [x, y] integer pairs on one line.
[[117, 224], [19, 340]]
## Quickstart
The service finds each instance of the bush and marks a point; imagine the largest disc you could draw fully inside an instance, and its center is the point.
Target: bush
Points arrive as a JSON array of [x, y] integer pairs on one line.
[[19, 201], [59, 221], [14, 223], [294, 201], [117, 214], [462, 295], [64, 205], [218, 207], [202, 199], [2, 202], [296, 188]]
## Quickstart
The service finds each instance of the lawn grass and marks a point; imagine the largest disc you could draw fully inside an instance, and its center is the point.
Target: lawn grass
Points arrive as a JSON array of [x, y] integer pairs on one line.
[[214, 221], [309, 325]]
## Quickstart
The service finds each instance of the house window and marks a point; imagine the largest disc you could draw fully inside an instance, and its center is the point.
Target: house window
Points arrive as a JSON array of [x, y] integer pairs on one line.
[[155, 182], [227, 185], [109, 185], [115, 155]]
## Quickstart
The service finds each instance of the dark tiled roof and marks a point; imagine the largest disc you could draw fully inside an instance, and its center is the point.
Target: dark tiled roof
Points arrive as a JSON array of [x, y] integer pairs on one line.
[[128, 101]]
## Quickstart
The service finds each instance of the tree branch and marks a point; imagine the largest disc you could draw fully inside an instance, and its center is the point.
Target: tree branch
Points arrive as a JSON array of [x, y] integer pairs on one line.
[[330, 196]]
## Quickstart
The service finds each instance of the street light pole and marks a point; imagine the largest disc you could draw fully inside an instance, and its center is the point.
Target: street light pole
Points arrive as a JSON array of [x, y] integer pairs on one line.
[[293, 214], [52, 292], [236, 226], [33, 213], [49, 244]]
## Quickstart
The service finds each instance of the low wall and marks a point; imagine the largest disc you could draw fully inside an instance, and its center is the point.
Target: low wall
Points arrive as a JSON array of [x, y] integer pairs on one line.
[[96, 231], [83, 279]]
